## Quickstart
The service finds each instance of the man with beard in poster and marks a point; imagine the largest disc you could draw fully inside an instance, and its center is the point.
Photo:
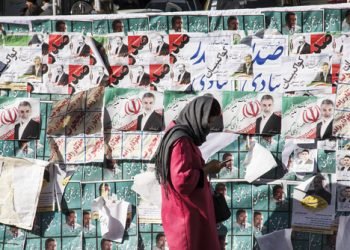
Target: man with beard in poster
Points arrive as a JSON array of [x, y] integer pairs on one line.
[[324, 128], [268, 122], [26, 128], [150, 120]]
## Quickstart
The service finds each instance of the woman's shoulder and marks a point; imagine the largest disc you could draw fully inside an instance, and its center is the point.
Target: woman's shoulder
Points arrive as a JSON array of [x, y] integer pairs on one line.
[[183, 141]]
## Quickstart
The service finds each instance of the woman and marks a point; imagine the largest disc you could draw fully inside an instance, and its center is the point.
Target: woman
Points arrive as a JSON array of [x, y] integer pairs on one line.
[[187, 207]]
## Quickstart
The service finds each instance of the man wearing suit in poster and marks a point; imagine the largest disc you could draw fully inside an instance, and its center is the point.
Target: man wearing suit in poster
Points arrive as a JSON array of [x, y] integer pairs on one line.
[[324, 128], [324, 75], [27, 128], [121, 49], [162, 48], [247, 66], [184, 77], [142, 78], [102, 79], [268, 122], [61, 77], [83, 49], [150, 120], [304, 47]]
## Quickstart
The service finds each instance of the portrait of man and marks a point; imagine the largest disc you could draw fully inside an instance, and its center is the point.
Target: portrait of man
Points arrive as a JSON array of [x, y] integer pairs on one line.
[[82, 49], [258, 222], [106, 244], [345, 195], [176, 24], [61, 77], [232, 23], [117, 25], [14, 233], [278, 193], [88, 227], [183, 77], [50, 244], [325, 126], [36, 69], [71, 224], [303, 160], [268, 122], [228, 170], [303, 47], [324, 75], [121, 49], [142, 78], [149, 120], [61, 26], [160, 242], [102, 79], [26, 128], [220, 188], [241, 220], [162, 48], [345, 26], [345, 163], [317, 189], [247, 66], [291, 25]]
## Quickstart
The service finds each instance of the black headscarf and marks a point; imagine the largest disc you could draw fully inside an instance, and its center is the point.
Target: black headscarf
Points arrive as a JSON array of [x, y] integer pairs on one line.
[[192, 122]]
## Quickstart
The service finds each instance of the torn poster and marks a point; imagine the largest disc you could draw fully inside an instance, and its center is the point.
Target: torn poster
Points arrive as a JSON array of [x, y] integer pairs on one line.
[[75, 128], [314, 204], [258, 161], [20, 183], [112, 215]]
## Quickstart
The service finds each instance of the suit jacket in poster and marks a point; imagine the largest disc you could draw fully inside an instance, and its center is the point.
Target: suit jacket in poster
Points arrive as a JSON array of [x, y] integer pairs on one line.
[[186, 79], [304, 49], [145, 80], [164, 50], [154, 122], [272, 126], [327, 133], [84, 51], [123, 52], [32, 131]]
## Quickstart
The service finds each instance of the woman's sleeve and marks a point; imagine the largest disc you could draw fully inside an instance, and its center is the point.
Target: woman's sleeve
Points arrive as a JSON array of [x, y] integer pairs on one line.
[[185, 172]]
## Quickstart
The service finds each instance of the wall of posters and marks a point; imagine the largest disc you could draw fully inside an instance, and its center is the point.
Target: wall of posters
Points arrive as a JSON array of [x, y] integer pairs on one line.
[[102, 90]]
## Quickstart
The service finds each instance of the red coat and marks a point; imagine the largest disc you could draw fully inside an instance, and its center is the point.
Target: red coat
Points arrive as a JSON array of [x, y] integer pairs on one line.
[[188, 212]]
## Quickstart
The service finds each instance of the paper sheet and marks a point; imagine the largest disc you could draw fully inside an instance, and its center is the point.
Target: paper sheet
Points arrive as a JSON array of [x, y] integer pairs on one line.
[[20, 185], [280, 239], [259, 160], [216, 142]]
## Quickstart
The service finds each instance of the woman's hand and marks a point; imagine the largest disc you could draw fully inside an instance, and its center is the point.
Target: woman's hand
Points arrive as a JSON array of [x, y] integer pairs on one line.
[[213, 167]]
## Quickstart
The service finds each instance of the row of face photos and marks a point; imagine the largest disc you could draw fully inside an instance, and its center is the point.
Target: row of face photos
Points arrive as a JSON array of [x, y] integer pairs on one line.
[[73, 226], [257, 113], [285, 22]]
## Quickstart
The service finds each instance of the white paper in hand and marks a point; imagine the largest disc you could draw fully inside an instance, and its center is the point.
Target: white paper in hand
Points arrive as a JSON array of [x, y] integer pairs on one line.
[[216, 142], [258, 161], [280, 239]]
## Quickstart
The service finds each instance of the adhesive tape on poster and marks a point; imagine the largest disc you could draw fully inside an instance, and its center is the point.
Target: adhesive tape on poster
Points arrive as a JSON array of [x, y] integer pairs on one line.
[[314, 202]]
